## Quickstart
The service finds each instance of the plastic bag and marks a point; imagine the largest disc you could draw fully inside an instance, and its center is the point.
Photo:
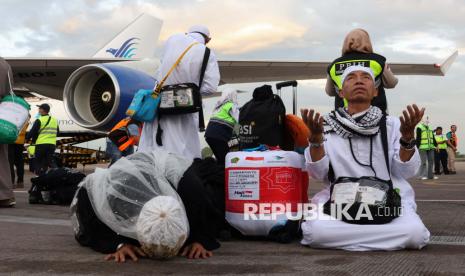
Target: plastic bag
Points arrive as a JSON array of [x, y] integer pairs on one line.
[[119, 193]]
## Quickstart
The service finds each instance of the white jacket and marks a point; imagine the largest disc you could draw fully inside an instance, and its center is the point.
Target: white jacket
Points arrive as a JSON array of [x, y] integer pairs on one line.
[[180, 132], [338, 153]]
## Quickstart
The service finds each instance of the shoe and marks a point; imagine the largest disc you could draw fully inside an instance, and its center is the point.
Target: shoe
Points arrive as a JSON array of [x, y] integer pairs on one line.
[[453, 172], [424, 178], [20, 185], [8, 203], [435, 177]]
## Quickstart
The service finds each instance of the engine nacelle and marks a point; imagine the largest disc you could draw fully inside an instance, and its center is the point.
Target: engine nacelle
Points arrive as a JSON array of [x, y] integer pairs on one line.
[[96, 96]]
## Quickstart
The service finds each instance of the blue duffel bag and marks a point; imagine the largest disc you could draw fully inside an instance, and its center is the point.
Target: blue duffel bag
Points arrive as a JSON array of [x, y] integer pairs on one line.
[[144, 106]]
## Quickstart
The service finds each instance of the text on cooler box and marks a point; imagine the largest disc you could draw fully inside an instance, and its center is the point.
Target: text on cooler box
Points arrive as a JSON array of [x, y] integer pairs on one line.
[[244, 184]]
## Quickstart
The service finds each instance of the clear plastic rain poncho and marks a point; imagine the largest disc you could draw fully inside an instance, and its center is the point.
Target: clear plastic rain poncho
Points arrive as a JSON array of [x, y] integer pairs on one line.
[[118, 193]]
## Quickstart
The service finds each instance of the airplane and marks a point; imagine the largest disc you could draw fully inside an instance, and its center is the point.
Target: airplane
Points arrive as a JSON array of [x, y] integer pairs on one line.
[[97, 91]]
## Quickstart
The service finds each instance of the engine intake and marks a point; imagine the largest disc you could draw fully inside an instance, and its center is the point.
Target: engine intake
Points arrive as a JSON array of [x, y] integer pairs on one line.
[[97, 96]]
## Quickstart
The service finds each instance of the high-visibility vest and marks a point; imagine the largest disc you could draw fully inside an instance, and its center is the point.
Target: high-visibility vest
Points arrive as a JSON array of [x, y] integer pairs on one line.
[[223, 115], [374, 61], [31, 149], [427, 138], [119, 135], [47, 132], [439, 139]]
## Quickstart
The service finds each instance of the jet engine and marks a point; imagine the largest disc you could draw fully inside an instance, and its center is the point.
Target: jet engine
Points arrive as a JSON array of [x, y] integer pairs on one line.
[[96, 96]]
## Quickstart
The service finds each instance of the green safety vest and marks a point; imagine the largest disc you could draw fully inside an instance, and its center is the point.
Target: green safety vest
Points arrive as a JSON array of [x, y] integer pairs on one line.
[[439, 139], [223, 116], [374, 61], [427, 137], [47, 134]]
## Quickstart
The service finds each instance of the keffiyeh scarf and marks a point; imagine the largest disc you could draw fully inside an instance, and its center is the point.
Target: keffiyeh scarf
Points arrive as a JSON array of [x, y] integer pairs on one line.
[[343, 124]]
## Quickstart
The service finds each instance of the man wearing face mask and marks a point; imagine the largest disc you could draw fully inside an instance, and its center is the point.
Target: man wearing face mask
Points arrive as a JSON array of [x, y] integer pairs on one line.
[[426, 143]]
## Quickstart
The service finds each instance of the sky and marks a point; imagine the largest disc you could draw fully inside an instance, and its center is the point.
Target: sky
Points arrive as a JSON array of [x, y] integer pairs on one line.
[[402, 31]]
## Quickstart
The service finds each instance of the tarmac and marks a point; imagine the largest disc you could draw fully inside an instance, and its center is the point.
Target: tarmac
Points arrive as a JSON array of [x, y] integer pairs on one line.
[[38, 239]]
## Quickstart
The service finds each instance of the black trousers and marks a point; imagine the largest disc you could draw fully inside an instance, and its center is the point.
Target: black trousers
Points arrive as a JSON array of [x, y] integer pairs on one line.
[[220, 149], [44, 158], [16, 159], [440, 158], [92, 232]]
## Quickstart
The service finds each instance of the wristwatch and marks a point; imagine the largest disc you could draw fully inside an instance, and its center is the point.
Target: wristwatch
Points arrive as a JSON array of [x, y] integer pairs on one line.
[[408, 145], [316, 145]]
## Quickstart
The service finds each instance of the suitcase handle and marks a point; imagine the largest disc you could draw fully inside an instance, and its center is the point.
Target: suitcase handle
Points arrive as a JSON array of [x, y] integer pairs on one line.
[[294, 92], [286, 84]]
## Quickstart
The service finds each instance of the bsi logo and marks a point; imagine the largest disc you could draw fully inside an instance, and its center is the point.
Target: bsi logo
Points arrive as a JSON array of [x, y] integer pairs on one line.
[[247, 129]]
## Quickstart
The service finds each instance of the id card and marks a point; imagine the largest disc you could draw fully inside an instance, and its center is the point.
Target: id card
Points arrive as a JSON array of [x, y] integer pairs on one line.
[[345, 193], [371, 195], [167, 99], [184, 97]]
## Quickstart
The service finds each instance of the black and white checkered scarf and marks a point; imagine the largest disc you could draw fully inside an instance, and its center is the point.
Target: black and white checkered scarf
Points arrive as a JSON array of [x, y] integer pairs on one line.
[[347, 126]]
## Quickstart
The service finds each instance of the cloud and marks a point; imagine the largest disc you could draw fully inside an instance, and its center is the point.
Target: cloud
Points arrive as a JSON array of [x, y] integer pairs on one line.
[[257, 36], [70, 25], [421, 43]]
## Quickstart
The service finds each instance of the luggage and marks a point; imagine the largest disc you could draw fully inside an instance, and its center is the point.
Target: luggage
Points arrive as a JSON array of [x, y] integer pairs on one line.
[[56, 187], [261, 119], [182, 98], [259, 179], [14, 113], [144, 106]]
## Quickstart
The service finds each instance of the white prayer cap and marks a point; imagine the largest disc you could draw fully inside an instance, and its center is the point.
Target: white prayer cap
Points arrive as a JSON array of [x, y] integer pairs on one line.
[[162, 227], [354, 68], [200, 29]]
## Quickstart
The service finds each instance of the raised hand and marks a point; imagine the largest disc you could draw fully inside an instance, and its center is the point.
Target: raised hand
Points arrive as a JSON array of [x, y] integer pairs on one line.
[[411, 117], [315, 123]]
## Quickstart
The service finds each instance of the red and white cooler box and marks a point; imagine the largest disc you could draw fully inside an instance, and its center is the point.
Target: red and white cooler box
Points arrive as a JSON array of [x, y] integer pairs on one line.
[[262, 179]]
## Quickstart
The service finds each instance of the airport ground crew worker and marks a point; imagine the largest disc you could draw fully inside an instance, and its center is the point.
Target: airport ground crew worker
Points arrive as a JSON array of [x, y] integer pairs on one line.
[[43, 134], [16, 158], [7, 198], [180, 132], [440, 155], [349, 141], [357, 49], [122, 139], [452, 148], [221, 125], [427, 145]]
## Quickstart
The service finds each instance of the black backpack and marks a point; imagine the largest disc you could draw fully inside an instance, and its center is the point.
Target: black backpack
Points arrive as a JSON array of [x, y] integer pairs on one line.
[[56, 187], [261, 119]]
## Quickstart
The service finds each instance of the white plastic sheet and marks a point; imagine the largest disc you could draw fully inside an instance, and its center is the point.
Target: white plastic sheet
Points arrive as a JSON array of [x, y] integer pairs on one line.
[[119, 193]]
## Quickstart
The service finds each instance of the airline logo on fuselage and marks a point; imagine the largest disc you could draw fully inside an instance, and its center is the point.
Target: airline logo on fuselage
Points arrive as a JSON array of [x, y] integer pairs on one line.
[[126, 50]]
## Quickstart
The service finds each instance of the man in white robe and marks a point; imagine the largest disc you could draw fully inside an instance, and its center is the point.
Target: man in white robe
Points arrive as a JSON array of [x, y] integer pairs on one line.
[[180, 132], [351, 158]]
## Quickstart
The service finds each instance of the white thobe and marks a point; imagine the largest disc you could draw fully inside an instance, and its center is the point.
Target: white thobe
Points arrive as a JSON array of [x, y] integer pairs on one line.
[[406, 231], [180, 132]]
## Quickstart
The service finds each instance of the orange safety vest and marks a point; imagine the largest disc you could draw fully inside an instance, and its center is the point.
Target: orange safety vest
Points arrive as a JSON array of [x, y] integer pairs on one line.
[[22, 134], [119, 135]]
